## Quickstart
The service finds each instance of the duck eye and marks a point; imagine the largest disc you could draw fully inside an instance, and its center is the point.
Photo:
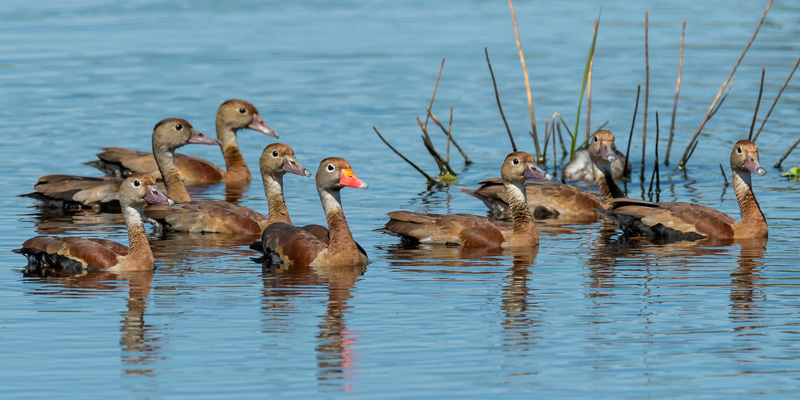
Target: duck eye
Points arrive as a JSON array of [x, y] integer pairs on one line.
[[274, 153], [739, 149], [178, 127], [242, 110], [331, 167], [136, 183], [515, 161], [595, 138]]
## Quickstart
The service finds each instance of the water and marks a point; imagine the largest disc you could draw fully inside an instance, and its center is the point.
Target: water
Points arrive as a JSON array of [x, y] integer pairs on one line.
[[583, 316]]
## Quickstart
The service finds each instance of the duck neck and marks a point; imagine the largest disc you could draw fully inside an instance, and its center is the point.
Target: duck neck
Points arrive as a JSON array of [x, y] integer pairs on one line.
[[752, 216], [518, 203], [602, 176], [339, 232], [273, 190], [140, 254], [235, 166], [165, 158]]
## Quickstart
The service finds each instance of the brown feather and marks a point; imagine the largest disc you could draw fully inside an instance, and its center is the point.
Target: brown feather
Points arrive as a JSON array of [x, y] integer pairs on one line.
[[193, 170], [293, 245], [207, 216], [88, 253], [546, 200], [70, 190], [461, 229]]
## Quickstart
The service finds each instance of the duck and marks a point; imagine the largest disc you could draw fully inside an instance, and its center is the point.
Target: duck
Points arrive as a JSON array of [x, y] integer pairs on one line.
[[475, 231], [98, 194], [554, 200], [66, 256], [288, 246], [216, 216], [580, 167], [232, 115], [678, 221]]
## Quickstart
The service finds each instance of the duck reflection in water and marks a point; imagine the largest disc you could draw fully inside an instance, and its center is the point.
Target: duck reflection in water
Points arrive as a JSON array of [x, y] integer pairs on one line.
[[746, 283], [138, 343], [519, 305], [522, 316], [336, 358]]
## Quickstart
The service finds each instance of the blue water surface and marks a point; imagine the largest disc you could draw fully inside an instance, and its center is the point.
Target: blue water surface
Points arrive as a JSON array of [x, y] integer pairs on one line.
[[584, 316]]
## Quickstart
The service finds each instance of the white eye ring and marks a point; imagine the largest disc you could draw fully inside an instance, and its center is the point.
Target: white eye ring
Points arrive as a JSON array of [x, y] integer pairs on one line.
[[331, 167], [178, 127], [136, 183], [595, 138], [515, 161], [275, 153], [739, 149]]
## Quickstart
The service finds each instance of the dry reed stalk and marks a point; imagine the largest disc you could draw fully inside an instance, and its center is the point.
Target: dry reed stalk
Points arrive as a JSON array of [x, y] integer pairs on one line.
[[655, 174], [497, 96], [677, 93], [555, 157], [431, 181], [778, 165], [758, 103], [435, 87], [646, 90], [527, 81], [723, 174], [776, 100], [546, 135], [447, 131], [561, 141], [630, 136], [444, 166], [686, 154]]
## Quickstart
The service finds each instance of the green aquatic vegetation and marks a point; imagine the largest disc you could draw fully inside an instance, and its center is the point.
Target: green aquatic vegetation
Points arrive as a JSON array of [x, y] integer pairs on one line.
[[793, 174]]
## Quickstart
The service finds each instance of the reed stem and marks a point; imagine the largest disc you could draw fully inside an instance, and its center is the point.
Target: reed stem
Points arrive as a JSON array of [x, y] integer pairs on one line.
[[677, 93]]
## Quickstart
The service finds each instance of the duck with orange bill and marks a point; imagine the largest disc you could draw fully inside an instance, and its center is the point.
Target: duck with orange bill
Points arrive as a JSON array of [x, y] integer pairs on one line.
[[288, 245]]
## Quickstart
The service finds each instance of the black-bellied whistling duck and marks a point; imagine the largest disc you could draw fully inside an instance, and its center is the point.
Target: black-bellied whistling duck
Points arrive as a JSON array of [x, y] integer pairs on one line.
[[580, 168], [290, 245], [99, 193], [673, 221], [211, 216], [232, 116], [276, 160], [557, 200], [476, 231], [73, 255]]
